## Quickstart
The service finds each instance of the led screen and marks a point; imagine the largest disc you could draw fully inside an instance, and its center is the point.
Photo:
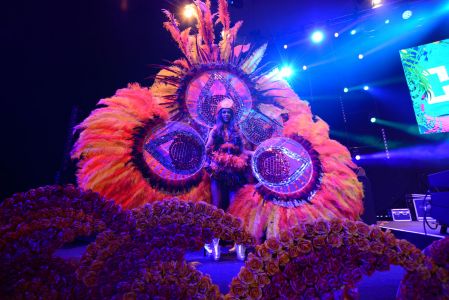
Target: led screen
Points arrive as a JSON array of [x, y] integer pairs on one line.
[[426, 69]]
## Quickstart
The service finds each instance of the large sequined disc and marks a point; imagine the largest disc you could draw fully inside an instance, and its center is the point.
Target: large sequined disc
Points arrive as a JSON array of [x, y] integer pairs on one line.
[[285, 168], [175, 151], [258, 127], [205, 91]]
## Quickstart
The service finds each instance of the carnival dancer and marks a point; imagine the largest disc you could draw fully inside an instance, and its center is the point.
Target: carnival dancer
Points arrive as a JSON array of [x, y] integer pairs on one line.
[[228, 164]]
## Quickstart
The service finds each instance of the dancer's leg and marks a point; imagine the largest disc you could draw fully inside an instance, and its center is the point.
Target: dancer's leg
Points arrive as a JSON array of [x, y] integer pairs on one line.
[[232, 197], [216, 193]]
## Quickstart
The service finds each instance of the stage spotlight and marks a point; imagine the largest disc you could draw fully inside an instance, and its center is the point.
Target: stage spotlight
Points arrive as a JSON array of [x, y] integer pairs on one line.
[[387, 21], [336, 34], [317, 36], [285, 46], [189, 11], [304, 67], [286, 72], [373, 120], [407, 14], [376, 3], [353, 32], [357, 157], [366, 87], [345, 90], [360, 56]]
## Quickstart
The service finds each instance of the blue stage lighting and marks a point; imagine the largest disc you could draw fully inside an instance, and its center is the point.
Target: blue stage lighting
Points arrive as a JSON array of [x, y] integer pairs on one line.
[[360, 56], [353, 32], [366, 87], [407, 14], [286, 72], [387, 21], [357, 157], [345, 90], [373, 120], [317, 36], [336, 34], [285, 46], [304, 67]]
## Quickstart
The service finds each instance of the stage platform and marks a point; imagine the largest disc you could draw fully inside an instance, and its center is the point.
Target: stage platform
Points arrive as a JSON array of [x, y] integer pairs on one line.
[[413, 231]]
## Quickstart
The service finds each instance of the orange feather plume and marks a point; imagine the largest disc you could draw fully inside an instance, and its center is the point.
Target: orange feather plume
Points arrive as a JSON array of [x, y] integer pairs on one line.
[[104, 150]]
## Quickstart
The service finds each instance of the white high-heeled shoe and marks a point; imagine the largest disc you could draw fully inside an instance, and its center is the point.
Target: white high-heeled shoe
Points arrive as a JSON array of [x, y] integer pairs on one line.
[[241, 252], [216, 250]]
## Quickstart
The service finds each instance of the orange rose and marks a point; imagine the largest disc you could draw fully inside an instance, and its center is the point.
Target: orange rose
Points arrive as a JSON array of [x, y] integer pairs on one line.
[[263, 252], [298, 286], [227, 219], [204, 284], [273, 244], [218, 214], [291, 270], [362, 244], [272, 267], [238, 288], [309, 276], [130, 296], [200, 207], [96, 265], [246, 276], [297, 232], [294, 251], [255, 292], [285, 237], [350, 227], [377, 247], [319, 242], [90, 280], [335, 225], [304, 246], [209, 209], [349, 240], [283, 258], [217, 230], [334, 240], [309, 229], [263, 280], [213, 293], [442, 274], [363, 229], [254, 263], [321, 226], [237, 223], [389, 238]]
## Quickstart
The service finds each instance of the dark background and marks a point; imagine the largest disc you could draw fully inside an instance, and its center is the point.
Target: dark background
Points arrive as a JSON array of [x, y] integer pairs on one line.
[[60, 57]]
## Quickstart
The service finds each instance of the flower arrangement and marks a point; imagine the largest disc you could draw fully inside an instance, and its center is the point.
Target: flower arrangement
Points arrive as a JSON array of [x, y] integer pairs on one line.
[[326, 259], [140, 253], [431, 277], [42, 220], [42, 278], [116, 262], [34, 224], [439, 252]]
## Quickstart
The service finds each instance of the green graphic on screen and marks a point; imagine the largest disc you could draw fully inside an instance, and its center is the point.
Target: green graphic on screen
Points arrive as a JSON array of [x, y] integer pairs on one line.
[[426, 69]]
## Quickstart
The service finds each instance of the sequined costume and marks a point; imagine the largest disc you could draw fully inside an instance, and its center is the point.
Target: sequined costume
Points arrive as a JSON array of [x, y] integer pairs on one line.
[[126, 152], [228, 162]]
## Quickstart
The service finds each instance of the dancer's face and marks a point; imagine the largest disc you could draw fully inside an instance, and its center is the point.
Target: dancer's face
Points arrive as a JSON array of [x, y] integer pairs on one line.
[[226, 115]]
